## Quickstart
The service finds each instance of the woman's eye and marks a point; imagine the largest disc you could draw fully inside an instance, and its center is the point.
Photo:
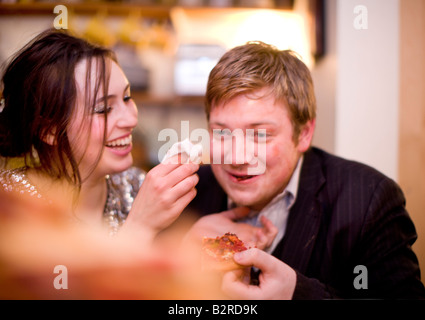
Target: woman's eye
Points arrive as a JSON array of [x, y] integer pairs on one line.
[[127, 98], [102, 109]]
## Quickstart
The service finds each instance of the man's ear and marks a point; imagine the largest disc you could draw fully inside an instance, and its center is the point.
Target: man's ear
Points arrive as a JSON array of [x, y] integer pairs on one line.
[[306, 135]]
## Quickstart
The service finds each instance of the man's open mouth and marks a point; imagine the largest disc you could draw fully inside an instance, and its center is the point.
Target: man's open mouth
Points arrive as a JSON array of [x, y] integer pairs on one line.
[[239, 177]]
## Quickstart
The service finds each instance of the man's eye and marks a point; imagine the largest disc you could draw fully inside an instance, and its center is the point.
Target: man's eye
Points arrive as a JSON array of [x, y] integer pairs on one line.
[[219, 133], [261, 134], [257, 135]]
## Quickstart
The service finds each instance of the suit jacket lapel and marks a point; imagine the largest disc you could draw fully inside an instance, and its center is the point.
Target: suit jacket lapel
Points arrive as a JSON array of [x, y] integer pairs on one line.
[[304, 219]]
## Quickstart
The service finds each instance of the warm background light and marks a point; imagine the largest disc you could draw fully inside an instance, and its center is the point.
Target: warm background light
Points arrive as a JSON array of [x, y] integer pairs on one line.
[[234, 26]]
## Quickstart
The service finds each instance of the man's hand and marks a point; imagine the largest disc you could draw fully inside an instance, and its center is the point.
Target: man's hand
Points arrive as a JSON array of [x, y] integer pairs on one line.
[[277, 279]]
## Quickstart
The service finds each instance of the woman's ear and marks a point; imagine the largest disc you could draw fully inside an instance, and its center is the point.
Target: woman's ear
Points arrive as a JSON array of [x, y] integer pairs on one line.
[[306, 135], [50, 137]]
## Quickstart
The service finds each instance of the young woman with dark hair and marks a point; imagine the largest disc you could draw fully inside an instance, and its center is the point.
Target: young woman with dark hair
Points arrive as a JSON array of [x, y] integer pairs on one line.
[[67, 111]]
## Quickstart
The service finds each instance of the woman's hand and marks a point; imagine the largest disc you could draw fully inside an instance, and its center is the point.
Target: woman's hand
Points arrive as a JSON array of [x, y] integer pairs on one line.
[[167, 189], [277, 279]]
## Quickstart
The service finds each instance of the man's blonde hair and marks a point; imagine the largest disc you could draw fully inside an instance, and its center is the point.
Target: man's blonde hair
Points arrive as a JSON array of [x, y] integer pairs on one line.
[[256, 65]]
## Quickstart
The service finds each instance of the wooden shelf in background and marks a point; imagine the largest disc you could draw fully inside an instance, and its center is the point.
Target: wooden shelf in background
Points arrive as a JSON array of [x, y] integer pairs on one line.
[[43, 8], [144, 98]]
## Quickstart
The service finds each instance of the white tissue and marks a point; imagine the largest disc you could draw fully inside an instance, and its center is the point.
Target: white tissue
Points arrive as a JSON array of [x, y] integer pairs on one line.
[[192, 151]]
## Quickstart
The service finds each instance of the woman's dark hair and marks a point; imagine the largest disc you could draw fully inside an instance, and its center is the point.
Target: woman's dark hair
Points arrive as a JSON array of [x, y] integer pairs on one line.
[[40, 96]]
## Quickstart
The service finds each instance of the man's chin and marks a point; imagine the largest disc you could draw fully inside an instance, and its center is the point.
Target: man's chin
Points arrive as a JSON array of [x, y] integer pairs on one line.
[[245, 201]]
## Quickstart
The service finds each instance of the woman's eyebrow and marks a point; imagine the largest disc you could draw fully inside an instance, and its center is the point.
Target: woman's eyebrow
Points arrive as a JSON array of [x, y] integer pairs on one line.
[[107, 98], [112, 95]]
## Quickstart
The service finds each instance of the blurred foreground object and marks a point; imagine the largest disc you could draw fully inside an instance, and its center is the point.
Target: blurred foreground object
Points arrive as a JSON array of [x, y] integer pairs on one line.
[[35, 238]]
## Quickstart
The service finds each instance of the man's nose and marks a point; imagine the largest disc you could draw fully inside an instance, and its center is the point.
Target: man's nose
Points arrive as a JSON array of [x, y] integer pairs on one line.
[[237, 152], [238, 148]]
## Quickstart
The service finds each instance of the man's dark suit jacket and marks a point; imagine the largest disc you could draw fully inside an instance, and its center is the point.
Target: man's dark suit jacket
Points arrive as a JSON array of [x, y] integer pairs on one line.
[[346, 214]]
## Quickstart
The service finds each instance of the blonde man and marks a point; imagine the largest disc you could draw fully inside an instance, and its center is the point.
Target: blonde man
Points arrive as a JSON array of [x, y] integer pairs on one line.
[[333, 218]]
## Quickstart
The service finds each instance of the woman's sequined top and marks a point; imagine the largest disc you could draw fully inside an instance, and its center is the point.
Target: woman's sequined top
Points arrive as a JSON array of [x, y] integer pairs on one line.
[[122, 188]]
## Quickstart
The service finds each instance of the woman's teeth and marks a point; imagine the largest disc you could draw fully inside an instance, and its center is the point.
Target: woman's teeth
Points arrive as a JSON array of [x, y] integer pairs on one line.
[[120, 142]]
